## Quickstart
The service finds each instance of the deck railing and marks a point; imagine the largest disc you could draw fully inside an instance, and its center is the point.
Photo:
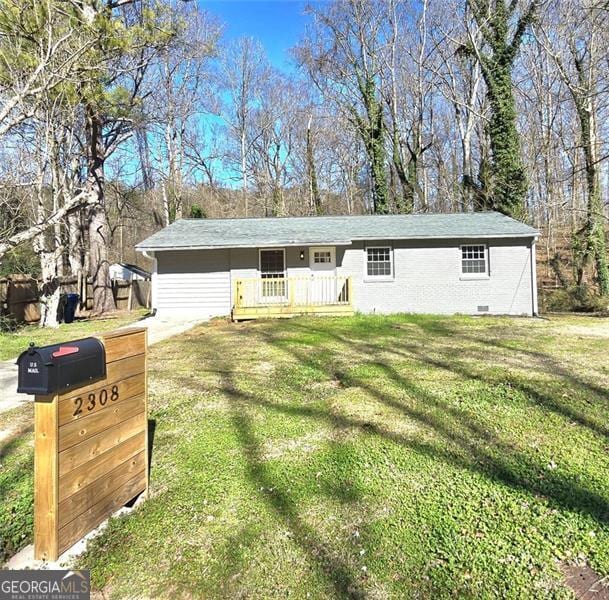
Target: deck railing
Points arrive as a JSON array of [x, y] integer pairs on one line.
[[292, 295]]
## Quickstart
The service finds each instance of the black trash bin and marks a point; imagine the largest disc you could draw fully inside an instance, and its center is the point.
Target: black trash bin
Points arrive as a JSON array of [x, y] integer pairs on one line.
[[70, 309]]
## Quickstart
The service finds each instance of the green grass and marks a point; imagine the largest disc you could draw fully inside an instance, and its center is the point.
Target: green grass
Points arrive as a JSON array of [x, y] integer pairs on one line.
[[12, 344], [16, 481], [405, 457], [402, 457]]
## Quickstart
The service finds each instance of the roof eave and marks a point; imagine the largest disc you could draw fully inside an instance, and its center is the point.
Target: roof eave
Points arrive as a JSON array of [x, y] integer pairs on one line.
[[529, 235]]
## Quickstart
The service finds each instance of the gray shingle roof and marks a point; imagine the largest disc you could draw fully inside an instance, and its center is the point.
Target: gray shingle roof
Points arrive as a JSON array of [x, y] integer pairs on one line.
[[302, 231]]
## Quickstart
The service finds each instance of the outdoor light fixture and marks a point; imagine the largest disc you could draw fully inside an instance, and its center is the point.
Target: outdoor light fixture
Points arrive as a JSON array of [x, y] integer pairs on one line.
[[302, 255]]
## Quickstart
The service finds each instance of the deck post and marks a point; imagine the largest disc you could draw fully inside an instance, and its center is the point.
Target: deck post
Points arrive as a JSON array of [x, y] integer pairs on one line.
[[236, 302], [350, 291]]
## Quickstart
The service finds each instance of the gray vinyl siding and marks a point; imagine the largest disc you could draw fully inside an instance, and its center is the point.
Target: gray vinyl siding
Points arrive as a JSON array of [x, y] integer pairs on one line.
[[195, 282], [426, 278]]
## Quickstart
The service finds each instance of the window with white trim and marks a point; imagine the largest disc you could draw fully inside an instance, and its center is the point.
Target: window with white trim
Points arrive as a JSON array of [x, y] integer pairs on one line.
[[378, 261], [322, 256], [474, 260]]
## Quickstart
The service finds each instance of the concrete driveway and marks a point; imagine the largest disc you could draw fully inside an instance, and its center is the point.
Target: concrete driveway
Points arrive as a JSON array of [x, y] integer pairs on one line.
[[9, 398], [159, 329]]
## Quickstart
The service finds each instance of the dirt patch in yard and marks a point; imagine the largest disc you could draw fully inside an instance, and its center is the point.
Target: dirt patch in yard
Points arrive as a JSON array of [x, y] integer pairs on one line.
[[585, 582]]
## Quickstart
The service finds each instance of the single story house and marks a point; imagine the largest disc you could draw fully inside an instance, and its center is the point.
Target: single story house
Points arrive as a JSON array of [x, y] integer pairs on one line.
[[470, 263]]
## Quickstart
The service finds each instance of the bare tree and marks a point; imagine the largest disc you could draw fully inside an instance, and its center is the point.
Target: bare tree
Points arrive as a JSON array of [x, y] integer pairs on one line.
[[342, 55], [579, 51], [460, 83], [275, 126], [244, 70], [181, 72]]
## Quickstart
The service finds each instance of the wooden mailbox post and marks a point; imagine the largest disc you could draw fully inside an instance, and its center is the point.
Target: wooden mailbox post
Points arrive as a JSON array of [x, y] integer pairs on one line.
[[91, 447]]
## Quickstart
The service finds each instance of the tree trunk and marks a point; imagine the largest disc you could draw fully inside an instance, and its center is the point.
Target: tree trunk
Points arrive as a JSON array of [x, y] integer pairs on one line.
[[508, 172], [244, 173], [371, 130], [376, 153], [277, 201], [49, 290], [166, 207], [595, 246], [313, 187], [99, 230], [406, 203]]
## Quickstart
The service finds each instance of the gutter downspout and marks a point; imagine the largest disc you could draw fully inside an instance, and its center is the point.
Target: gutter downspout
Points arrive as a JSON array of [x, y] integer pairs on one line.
[[535, 308]]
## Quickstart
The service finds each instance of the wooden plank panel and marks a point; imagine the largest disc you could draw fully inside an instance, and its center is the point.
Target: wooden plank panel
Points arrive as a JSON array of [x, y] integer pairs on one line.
[[147, 442], [116, 371], [126, 389], [98, 444], [46, 478], [78, 503], [127, 331], [118, 348], [90, 464], [73, 531], [85, 428], [85, 474]]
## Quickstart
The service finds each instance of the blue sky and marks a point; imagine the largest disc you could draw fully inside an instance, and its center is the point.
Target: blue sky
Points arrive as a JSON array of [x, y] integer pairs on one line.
[[278, 24]]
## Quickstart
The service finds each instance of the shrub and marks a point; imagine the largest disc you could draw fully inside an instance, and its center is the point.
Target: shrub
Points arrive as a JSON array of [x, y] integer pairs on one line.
[[8, 324], [576, 299], [196, 212]]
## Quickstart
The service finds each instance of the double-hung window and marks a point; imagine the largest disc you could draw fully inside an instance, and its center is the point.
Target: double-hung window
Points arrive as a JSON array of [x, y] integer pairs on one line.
[[474, 260], [379, 262]]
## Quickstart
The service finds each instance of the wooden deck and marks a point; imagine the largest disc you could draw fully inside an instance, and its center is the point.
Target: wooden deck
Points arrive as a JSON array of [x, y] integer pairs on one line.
[[257, 298]]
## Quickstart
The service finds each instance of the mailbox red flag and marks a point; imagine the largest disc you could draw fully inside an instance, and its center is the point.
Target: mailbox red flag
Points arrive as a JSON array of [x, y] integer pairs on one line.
[[65, 351]]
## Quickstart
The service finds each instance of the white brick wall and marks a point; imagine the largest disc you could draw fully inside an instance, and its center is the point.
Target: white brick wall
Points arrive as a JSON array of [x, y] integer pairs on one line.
[[428, 279]]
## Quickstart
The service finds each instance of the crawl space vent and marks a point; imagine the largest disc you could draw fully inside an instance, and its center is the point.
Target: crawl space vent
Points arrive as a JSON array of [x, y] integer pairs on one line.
[[483, 308]]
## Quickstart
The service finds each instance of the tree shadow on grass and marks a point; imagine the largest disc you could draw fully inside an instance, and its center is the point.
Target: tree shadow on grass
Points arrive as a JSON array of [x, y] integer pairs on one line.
[[338, 573], [473, 446], [550, 363], [457, 438], [449, 362]]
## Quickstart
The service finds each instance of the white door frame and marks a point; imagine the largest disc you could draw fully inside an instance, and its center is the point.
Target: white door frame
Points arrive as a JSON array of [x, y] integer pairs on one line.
[[322, 267], [276, 287], [323, 285]]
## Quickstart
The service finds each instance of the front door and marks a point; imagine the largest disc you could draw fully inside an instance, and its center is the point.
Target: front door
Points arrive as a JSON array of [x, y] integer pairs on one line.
[[322, 261], [272, 274]]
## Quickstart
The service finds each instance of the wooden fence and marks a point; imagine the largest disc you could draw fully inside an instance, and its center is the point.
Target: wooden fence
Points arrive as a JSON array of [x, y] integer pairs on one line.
[[19, 298], [19, 295]]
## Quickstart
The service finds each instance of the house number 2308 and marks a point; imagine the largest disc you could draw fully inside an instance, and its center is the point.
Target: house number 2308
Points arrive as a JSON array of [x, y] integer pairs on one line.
[[92, 400]]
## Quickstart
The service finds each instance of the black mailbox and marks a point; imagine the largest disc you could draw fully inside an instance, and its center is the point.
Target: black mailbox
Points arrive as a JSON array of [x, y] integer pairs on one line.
[[56, 368]]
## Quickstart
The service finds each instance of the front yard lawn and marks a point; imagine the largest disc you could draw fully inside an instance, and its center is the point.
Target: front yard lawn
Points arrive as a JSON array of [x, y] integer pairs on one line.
[[12, 344], [402, 457], [378, 457]]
